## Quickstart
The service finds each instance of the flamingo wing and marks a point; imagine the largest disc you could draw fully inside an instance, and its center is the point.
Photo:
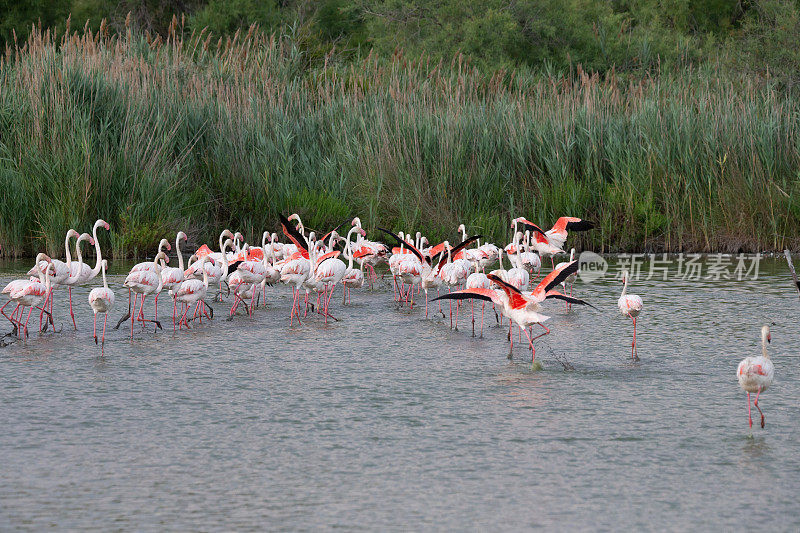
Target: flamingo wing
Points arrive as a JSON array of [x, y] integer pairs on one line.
[[479, 294], [295, 236], [555, 278], [560, 296], [573, 224], [530, 225], [514, 294], [408, 246]]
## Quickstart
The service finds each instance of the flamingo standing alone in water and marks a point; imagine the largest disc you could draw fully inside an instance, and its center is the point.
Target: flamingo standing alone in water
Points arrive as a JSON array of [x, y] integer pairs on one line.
[[755, 374], [102, 300], [630, 305]]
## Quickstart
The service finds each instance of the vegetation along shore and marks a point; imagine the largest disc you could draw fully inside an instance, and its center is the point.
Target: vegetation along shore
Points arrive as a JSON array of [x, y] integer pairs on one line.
[[195, 131]]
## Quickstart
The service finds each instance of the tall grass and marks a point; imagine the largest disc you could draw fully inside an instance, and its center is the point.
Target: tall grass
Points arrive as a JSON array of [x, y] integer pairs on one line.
[[199, 134]]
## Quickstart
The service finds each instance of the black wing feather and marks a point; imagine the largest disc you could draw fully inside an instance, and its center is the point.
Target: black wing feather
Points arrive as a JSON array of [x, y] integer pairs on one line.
[[462, 296], [533, 227], [502, 283], [581, 225], [570, 269], [401, 242], [463, 245], [291, 232], [569, 299]]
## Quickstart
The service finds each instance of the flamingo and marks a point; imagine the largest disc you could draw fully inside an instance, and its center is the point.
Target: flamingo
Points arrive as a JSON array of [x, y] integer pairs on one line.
[[28, 293], [172, 277], [478, 280], [61, 271], [250, 272], [144, 266], [571, 279], [216, 273], [522, 308], [755, 374], [271, 274], [298, 266], [87, 273], [146, 282], [518, 276], [353, 277], [541, 241], [99, 223], [452, 273], [101, 299], [79, 271], [630, 305], [193, 291], [330, 270], [531, 259], [557, 235]]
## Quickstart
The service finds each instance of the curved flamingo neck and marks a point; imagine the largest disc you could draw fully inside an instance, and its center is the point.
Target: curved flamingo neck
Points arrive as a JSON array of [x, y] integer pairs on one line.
[[78, 254], [625, 285], [99, 258], [205, 272], [66, 247], [347, 248], [178, 251]]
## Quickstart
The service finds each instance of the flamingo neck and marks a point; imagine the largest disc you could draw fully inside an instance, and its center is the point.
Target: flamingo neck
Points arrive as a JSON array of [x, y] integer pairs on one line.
[[625, 286], [205, 272], [178, 251], [99, 258], [66, 249], [78, 251], [103, 269]]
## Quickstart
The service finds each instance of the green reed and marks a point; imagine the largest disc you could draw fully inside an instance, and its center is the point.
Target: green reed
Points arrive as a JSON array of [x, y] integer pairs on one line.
[[199, 134]]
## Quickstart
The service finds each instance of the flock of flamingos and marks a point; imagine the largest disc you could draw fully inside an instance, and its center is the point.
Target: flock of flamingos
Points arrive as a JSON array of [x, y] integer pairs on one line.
[[312, 266]]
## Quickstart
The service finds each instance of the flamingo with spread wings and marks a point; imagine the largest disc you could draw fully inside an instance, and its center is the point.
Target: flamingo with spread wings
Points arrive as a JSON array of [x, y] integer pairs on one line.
[[523, 309]]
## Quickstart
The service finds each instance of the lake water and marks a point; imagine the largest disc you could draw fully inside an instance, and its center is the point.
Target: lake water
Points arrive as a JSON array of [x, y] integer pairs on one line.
[[385, 420]]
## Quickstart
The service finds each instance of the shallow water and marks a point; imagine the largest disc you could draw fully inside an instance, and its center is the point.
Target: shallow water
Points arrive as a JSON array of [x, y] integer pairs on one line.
[[385, 420]]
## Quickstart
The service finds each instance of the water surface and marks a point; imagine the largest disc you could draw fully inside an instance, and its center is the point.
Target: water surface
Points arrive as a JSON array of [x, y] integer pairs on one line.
[[385, 420]]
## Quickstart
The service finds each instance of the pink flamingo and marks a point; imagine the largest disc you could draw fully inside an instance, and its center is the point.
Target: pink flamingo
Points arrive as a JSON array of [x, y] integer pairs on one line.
[[102, 300]]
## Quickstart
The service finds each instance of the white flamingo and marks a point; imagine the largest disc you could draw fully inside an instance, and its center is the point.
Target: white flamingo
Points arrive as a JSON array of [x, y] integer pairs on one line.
[[101, 299], [630, 305], [755, 374]]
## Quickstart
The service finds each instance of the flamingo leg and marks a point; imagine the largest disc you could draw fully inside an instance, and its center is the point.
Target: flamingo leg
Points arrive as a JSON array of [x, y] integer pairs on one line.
[[634, 353], [10, 318], [546, 331], [749, 418], [70, 310], [530, 343], [472, 312], [30, 310], [105, 320], [133, 315], [94, 329], [511, 338], [759, 409], [155, 316], [483, 308]]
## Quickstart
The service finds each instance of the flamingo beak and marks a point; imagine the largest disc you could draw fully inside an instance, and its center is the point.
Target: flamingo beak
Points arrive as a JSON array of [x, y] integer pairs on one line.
[[108, 226], [91, 242], [769, 337]]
